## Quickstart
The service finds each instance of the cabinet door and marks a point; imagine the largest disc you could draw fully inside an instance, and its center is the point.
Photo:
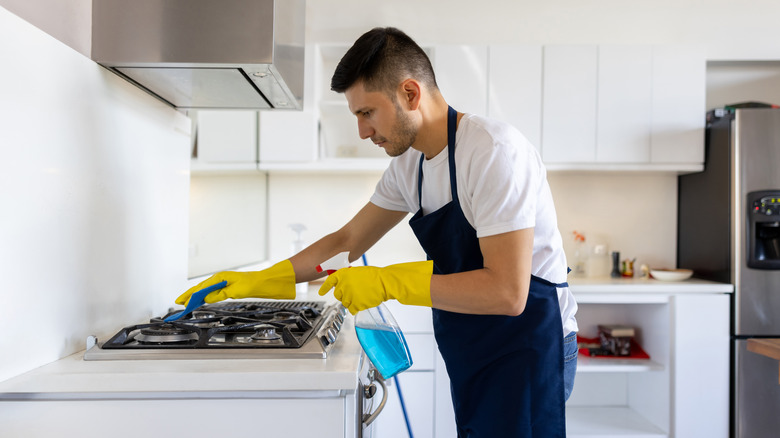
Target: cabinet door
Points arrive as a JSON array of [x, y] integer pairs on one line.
[[678, 118], [288, 136], [515, 88], [270, 417], [569, 95], [701, 360], [417, 390], [624, 101], [227, 136], [461, 74]]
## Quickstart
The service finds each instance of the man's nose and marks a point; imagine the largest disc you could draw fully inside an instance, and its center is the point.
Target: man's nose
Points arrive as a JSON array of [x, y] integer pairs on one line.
[[364, 129]]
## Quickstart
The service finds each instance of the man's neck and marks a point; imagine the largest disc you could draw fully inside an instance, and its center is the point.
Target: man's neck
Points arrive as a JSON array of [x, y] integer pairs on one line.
[[432, 137]]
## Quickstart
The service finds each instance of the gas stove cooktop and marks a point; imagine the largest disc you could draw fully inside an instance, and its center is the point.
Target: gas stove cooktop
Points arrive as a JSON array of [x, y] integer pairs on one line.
[[230, 330]]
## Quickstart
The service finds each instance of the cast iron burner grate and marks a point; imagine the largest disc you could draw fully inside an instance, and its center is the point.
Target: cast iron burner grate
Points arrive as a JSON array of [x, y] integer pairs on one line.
[[227, 324]]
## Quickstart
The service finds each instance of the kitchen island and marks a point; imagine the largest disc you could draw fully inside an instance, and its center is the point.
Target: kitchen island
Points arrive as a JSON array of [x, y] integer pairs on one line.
[[131, 398]]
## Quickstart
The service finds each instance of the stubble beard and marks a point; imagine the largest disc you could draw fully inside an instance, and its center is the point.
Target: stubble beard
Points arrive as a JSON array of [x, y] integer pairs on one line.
[[404, 132]]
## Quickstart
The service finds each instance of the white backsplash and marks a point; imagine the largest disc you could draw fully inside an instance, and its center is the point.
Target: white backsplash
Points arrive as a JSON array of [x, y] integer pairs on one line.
[[94, 178], [227, 222], [634, 213]]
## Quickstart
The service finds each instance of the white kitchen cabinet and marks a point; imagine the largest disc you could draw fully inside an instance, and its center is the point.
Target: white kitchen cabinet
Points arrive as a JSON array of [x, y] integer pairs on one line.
[[678, 109], [685, 332], [420, 385], [623, 107], [287, 137], [514, 88], [624, 104], [225, 139], [569, 96], [461, 74], [419, 399], [177, 417]]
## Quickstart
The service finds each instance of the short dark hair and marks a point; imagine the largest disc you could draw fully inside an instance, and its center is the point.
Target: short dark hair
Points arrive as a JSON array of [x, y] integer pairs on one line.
[[382, 58]]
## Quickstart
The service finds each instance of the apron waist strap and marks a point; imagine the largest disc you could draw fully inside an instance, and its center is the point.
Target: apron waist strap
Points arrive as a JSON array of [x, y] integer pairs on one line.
[[550, 283]]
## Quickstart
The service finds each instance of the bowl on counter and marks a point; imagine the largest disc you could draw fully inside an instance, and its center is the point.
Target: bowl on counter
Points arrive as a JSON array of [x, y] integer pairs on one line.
[[671, 274]]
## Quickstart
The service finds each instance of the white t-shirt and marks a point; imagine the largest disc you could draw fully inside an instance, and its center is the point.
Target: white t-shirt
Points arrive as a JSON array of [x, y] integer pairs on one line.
[[502, 187]]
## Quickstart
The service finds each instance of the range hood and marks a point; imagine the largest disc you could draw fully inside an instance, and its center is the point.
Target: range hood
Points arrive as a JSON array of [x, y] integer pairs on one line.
[[205, 54]]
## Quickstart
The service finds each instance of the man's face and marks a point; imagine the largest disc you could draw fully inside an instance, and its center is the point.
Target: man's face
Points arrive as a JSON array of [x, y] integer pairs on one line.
[[381, 119]]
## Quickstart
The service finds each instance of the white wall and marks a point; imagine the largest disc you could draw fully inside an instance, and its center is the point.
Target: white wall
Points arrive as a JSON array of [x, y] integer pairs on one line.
[[728, 29], [94, 180], [228, 218], [323, 203]]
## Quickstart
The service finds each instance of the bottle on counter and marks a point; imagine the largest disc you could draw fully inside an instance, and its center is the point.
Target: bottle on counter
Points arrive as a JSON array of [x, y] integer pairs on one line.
[[616, 265], [580, 255]]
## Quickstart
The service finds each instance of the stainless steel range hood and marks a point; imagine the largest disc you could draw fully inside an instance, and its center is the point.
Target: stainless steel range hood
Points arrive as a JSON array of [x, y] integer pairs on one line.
[[205, 54]]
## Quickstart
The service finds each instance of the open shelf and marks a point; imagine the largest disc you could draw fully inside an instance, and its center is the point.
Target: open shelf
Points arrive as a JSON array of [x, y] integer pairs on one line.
[[609, 422], [331, 165], [587, 364]]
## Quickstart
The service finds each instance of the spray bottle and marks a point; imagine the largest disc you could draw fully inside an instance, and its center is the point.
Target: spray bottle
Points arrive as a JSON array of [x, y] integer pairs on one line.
[[378, 332]]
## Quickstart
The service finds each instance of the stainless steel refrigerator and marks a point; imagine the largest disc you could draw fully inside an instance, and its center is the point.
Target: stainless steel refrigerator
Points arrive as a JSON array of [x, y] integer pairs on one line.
[[729, 231]]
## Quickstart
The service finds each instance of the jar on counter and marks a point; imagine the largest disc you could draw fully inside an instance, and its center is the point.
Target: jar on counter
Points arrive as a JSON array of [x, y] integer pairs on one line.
[[598, 262]]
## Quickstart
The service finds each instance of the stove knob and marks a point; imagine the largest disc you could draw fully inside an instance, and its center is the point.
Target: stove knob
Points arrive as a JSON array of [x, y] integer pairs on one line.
[[331, 335], [325, 341], [339, 317], [337, 325]]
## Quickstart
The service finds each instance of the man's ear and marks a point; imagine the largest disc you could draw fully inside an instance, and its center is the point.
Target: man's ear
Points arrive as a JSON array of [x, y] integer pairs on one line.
[[410, 91]]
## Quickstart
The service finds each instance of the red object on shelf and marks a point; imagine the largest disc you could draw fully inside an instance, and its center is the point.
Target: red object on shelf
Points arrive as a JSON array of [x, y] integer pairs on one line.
[[636, 351]]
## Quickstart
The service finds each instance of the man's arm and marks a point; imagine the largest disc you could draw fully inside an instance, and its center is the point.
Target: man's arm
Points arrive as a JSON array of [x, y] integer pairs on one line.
[[500, 288], [357, 236]]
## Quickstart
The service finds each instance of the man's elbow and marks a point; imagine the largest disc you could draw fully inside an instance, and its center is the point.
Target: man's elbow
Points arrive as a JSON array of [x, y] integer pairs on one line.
[[516, 300]]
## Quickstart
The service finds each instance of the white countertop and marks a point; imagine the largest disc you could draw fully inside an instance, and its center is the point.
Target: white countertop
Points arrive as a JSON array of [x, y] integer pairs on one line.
[[72, 377], [579, 285]]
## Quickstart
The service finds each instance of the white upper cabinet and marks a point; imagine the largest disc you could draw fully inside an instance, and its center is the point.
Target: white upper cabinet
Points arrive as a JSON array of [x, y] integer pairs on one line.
[[625, 85], [461, 74], [634, 107], [225, 140], [288, 136], [678, 109], [569, 104], [514, 88], [584, 107]]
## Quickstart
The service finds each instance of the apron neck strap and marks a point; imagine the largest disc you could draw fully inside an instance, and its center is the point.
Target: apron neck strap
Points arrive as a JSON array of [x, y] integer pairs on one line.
[[452, 125]]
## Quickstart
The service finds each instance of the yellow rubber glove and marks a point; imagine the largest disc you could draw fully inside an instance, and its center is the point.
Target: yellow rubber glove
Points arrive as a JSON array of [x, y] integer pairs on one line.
[[277, 282], [363, 287]]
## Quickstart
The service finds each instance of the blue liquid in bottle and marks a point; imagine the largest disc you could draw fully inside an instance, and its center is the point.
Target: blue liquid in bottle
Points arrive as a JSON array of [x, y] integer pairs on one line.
[[385, 346]]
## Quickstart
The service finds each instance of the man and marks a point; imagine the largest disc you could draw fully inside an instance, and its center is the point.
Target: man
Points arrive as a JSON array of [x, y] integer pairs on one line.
[[484, 215]]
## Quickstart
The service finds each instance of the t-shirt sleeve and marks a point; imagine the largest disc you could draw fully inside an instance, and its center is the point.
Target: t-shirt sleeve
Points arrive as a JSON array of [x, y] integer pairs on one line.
[[388, 193], [504, 185]]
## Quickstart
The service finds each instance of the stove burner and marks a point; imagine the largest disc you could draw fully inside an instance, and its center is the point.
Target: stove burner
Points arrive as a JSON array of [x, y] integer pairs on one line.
[[165, 334], [231, 324], [265, 333]]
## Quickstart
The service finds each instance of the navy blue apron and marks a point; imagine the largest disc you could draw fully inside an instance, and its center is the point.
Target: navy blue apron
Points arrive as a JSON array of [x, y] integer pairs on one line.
[[506, 373]]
